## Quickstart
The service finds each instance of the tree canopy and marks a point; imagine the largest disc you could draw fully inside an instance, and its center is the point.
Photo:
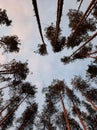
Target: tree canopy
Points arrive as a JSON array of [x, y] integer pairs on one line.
[[68, 105]]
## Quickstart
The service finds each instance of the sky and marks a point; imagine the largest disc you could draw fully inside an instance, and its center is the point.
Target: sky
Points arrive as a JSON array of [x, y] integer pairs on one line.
[[24, 24]]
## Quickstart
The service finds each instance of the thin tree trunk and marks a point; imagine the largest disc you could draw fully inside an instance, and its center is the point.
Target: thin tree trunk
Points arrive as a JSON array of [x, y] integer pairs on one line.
[[83, 17], [8, 115], [78, 114], [8, 104], [49, 124], [91, 53], [65, 113], [88, 99], [87, 41], [93, 6], [34, 2], [6, 72], [59, 15], [88, 55], [80, 5]]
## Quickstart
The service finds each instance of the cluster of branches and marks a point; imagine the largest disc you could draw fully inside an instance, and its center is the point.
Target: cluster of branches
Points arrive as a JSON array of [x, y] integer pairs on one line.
[[59, 97], [12, 76]]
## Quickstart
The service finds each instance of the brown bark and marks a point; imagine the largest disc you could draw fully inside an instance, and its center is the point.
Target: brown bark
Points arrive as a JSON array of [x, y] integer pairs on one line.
[[89, 100], [65, 113], [93, 6], [83, 17], [79, 116], [87, 41]]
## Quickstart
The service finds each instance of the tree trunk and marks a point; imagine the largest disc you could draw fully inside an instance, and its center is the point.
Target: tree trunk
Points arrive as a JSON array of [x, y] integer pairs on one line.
[[83, 17], [49, 124], [79, 5], [8, 115], [93, 6], [65, 113], [59, 14], [34, 2], [78, 114], [87, 41], [89, 100], [8, 104]]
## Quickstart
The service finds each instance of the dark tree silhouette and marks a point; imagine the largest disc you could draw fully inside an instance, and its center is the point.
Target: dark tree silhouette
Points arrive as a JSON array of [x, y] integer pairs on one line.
[[10, 43], [42, 47], [57, 90], [28, 117], [4, 18], [50, 35]]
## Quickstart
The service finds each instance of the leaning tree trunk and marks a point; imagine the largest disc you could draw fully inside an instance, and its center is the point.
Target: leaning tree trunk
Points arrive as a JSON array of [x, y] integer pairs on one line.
[[8, 115], [89, 100], [87, 41], [92, 7], [83, 17], [9, 104], [65, 113], [79, 5], [34, 2], [78, 114]]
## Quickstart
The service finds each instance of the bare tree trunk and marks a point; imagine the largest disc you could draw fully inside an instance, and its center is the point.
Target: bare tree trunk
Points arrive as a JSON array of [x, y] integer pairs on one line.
[[34, 2], [65, 114], [80, 5], [78, 114], [93, 6], [59, 15]]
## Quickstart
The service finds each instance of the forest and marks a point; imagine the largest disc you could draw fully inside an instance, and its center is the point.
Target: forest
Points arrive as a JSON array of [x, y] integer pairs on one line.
[[66, 106]]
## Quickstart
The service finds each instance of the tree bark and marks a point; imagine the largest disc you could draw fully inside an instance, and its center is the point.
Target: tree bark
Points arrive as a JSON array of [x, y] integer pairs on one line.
[[79, 5], [87, 41], [65, 113], [78, 114], [88, 99], [83, 17]]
